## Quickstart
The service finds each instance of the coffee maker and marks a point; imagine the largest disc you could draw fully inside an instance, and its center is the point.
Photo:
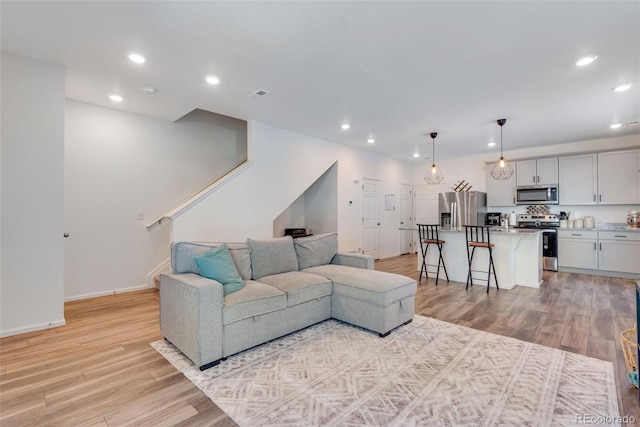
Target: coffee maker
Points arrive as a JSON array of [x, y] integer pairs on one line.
[[493, 218]]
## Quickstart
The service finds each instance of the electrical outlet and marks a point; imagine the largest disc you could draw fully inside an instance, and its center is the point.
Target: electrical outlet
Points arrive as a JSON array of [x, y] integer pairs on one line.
[[140, 216]]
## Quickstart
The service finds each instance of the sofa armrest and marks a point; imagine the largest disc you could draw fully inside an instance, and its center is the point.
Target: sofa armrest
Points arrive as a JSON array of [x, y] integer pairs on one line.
[[354, 260], [191, 316]]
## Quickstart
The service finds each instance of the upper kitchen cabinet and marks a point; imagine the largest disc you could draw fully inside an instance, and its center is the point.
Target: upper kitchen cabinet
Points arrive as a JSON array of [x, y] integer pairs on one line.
[[619, 177], [537, 172], [578, 183], [500, 192]]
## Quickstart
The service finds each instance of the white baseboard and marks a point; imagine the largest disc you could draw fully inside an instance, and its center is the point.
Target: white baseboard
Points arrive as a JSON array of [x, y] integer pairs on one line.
[[105, 293], [33, 328], [164, 267]]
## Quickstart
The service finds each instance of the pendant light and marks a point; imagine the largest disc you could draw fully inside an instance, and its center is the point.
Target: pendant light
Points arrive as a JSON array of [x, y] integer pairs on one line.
[[502, 169], [434, 175]]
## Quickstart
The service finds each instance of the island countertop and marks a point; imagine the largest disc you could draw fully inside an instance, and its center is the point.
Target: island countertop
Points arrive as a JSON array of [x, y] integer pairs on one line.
[[517, 256]]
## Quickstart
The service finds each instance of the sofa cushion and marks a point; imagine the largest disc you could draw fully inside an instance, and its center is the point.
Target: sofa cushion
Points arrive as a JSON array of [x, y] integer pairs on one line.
[[218, 265], [299, 287], [376, 287], [272, 256], [316, 250], [253, 300], [183, 254]]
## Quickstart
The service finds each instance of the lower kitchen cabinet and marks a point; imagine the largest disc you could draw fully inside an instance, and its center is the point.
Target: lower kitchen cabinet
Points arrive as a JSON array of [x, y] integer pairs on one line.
[[578, 249], [619, 251], [611, 251]]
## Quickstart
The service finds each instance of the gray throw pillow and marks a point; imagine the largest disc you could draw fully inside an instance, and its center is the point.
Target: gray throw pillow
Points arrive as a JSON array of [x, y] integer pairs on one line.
[[316, 250], [183, 256], [272, 256]]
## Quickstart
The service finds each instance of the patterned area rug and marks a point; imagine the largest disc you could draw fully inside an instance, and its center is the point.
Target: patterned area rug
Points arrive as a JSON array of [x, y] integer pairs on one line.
[[427, 373]]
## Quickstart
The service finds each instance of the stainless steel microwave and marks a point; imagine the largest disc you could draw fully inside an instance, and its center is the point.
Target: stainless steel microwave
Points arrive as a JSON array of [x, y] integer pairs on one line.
[[537, 195]]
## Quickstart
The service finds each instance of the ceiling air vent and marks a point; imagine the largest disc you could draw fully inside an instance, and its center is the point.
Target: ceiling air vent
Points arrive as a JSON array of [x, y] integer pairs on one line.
[[260, 93]]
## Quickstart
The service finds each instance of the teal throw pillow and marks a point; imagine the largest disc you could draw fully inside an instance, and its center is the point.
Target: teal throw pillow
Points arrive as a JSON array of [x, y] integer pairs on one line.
[[218, 265]]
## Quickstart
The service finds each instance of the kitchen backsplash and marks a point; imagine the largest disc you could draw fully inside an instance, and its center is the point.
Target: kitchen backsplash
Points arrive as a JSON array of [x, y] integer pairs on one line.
[[601, 213]]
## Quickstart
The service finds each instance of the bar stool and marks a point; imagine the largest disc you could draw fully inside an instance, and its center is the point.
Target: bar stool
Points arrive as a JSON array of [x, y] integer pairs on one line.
[[478, 237], [428, 235]]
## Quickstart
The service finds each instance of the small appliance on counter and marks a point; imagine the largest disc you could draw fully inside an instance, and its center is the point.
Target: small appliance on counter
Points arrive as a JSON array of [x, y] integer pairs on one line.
[[493, 218], [633, 219]]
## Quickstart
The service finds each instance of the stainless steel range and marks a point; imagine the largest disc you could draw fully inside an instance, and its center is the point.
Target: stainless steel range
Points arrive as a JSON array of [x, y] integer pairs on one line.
[[548, 224]]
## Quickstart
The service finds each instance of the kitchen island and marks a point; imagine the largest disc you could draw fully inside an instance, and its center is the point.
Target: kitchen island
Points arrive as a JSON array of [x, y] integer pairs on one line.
[[517, 256]]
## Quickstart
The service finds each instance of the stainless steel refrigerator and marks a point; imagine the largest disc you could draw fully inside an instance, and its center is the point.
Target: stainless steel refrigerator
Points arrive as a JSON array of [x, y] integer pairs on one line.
[[462, 208]]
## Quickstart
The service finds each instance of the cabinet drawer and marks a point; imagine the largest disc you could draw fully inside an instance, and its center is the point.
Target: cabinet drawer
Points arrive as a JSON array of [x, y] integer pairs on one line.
[[577, 233], [619, 235]]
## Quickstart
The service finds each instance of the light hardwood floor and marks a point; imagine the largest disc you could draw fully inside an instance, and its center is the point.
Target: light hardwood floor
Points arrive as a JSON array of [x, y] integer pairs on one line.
[[99, 369]]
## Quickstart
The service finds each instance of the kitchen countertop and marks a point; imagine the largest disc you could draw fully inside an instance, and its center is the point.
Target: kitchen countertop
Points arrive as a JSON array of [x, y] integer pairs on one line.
[[496, 229], [600, 226], [493, 230], [608, 226]]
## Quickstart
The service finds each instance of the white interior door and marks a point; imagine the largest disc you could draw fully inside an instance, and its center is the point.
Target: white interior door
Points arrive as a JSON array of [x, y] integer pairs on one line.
[[370, 217], [406, 237]]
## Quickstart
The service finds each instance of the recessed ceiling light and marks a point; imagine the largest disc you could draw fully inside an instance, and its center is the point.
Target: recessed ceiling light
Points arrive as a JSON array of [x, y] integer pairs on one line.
[[491, 144], [416, 155], [371, 140], [115, 98], [622, 87], [586, 60], [615, 125], [137, 58], [345, 126], [213, 80]]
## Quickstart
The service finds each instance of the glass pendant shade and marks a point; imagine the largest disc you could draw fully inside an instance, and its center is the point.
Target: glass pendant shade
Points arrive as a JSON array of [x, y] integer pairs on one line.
[[434, 175], [502, 169]]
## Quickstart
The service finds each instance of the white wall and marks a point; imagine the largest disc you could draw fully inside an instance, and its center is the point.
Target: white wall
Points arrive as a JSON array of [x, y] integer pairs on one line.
[[321, 203], [32, 152], [316, 209], [286, 164], [472, 170], [119, 165]]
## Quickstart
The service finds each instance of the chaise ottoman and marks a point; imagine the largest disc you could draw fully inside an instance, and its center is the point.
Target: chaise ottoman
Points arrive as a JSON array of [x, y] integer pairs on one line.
[[374, 300]]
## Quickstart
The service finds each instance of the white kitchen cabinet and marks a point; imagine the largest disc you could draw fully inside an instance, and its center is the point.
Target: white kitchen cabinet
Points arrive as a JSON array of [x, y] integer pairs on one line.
[[537, 171], [500, 192], [619, 251], [578, 179], [578, 249], [619, 177]]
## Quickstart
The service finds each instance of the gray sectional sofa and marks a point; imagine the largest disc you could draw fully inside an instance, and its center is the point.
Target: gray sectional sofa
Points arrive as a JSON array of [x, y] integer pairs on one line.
[[288, 285]]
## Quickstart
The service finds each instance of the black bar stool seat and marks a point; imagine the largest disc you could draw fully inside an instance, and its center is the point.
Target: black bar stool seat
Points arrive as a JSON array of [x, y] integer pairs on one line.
[[478, 236], [428, 234]]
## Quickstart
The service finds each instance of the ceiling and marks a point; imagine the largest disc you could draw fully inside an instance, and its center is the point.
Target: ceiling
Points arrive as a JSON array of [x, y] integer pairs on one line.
[[394, 71]]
